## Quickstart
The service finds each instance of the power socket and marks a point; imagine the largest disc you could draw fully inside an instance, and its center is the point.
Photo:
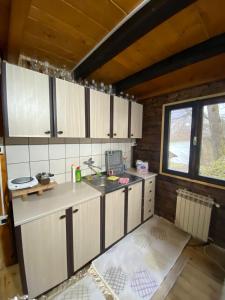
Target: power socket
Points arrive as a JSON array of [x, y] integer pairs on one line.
[[3, 219]]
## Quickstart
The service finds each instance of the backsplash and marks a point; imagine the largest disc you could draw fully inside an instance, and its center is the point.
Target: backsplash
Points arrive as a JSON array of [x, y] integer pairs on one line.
[[28, 160]]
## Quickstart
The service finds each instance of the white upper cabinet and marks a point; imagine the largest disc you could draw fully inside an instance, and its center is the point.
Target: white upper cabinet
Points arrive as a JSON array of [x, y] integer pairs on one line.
[[27, 103], [120, 118], [136, 120], [99, 114], [70, 109]]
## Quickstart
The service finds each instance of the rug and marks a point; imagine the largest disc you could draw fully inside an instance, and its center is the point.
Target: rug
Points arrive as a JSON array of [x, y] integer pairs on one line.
[[85, 289], [136, 266]]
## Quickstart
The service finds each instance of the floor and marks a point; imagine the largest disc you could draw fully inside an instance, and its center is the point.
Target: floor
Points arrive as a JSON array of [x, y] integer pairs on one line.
[[202, 278]]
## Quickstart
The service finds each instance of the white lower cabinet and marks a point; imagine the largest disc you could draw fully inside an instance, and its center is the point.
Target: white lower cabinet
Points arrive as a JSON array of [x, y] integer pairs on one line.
[[86, 232], [44, 252], [149, 197], [134, 206], [114, 216]]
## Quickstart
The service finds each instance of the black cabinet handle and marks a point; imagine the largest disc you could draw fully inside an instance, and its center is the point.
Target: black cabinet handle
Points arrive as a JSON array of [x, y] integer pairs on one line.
[[150, 191], [62, 217], [60, 132], [123, 191], [114, 134], [150, 181], [47, 132], [130, 189], [149, 210], [150, 200], [108, 134], [75, 210], [131, 134]]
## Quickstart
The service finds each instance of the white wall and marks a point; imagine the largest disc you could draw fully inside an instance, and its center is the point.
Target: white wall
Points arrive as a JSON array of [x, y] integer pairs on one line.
[[28, 160]]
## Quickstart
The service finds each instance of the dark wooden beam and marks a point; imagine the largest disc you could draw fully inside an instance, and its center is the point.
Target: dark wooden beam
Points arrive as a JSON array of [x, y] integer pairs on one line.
[[147, 18], [202, 51]]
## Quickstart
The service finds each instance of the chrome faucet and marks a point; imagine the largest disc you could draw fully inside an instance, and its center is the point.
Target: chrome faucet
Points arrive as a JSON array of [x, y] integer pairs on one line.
[[90, 163]]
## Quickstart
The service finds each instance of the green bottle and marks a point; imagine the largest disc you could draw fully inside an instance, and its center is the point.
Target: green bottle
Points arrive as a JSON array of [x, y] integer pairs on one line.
[[78, 174]]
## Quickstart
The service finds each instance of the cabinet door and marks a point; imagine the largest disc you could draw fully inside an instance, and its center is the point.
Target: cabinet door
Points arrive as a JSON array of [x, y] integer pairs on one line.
[[99, 115], [114, 216], [134, 206], [28, 104], [149, 198], [120, 118], [86, 232], [136, 120], [70, 108], [44, 252]]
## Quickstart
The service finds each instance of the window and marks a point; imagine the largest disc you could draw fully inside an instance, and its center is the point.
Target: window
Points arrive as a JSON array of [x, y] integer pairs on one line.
[[194, 140]]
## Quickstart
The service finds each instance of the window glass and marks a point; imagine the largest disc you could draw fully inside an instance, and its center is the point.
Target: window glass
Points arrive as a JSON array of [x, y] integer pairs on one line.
[[179, 139], [212, 155]]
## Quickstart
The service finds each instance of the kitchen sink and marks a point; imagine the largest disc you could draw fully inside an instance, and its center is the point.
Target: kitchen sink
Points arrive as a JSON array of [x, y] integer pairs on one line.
[[104, 185]]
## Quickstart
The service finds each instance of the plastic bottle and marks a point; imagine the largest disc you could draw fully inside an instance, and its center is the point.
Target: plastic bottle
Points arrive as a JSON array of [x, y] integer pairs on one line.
[[78, 174], [73, 175]]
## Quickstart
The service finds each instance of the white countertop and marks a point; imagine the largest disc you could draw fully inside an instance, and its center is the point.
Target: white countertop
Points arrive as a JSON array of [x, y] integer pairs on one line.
[[144, 176], [61, 197]]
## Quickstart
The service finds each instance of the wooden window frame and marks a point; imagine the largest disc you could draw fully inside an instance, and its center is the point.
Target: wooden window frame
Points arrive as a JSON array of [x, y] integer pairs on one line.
[[196, 131]]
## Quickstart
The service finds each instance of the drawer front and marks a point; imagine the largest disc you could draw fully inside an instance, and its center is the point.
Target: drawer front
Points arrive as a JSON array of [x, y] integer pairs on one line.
[[149, 198]]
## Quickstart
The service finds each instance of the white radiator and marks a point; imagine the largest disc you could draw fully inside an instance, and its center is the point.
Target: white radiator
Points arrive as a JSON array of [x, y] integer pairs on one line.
[[193, 213]]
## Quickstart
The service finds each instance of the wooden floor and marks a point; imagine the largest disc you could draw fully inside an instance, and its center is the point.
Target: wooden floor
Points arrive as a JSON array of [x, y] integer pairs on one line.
[[202, 278]]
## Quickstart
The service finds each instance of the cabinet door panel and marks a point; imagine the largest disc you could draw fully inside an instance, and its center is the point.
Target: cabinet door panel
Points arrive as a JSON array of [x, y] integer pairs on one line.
[[114, 217], [28, 103], [134, 206], [99, 114], [136, 120], [70, 103], [44, 251], [86, 232], [120, 118]]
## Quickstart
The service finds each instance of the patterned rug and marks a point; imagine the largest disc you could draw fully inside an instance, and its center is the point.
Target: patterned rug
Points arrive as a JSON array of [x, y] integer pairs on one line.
[[136, 266]]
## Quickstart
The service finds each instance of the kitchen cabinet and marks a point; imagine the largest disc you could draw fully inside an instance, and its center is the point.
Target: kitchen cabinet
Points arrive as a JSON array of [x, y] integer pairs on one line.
[[120, 117], [134, 206], [136, 120], [70, 109], [99, 114], [44, 252], [149, 197], [26, 102], [86, 232], [114, 216]]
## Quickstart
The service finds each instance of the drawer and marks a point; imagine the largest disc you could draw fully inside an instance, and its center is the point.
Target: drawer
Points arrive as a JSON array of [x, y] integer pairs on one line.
[[148, 209]]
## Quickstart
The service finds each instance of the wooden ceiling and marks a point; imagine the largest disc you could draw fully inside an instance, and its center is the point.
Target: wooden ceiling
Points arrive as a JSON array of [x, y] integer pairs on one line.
[[63, 32]]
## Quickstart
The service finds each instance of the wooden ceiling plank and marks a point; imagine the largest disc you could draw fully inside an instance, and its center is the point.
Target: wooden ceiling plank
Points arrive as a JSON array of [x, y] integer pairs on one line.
[[202, 51], [18, 15], [65, 13], [202, 72], [4, 25], [148, 17]]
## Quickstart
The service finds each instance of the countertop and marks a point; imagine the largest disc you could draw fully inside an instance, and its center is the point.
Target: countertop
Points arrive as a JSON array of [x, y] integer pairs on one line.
[[63, 196], [144, 176]]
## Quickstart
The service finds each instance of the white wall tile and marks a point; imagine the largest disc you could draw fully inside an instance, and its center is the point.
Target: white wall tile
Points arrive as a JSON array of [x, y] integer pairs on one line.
[[57, 151], [60, 178], [70, 161], [57, 166], [17, 153], [38, 167], [72, 150], [97, 160], [85, 150], [106, 147], [114, 146], [18, 170], [96, 149], [68, 177], [38, 152]]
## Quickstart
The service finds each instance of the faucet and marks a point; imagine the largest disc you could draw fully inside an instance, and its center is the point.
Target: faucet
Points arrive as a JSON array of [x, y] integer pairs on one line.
[[90, 164]]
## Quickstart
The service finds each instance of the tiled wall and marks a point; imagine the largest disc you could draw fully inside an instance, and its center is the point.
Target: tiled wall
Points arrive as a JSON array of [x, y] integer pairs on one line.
[[29, 159]]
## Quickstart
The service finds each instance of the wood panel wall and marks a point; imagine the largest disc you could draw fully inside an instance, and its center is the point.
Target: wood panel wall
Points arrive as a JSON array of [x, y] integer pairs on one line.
[[148, 149]]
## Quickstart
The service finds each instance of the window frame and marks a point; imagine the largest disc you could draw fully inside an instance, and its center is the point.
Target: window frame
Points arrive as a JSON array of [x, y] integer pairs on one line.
[[197, 105]]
